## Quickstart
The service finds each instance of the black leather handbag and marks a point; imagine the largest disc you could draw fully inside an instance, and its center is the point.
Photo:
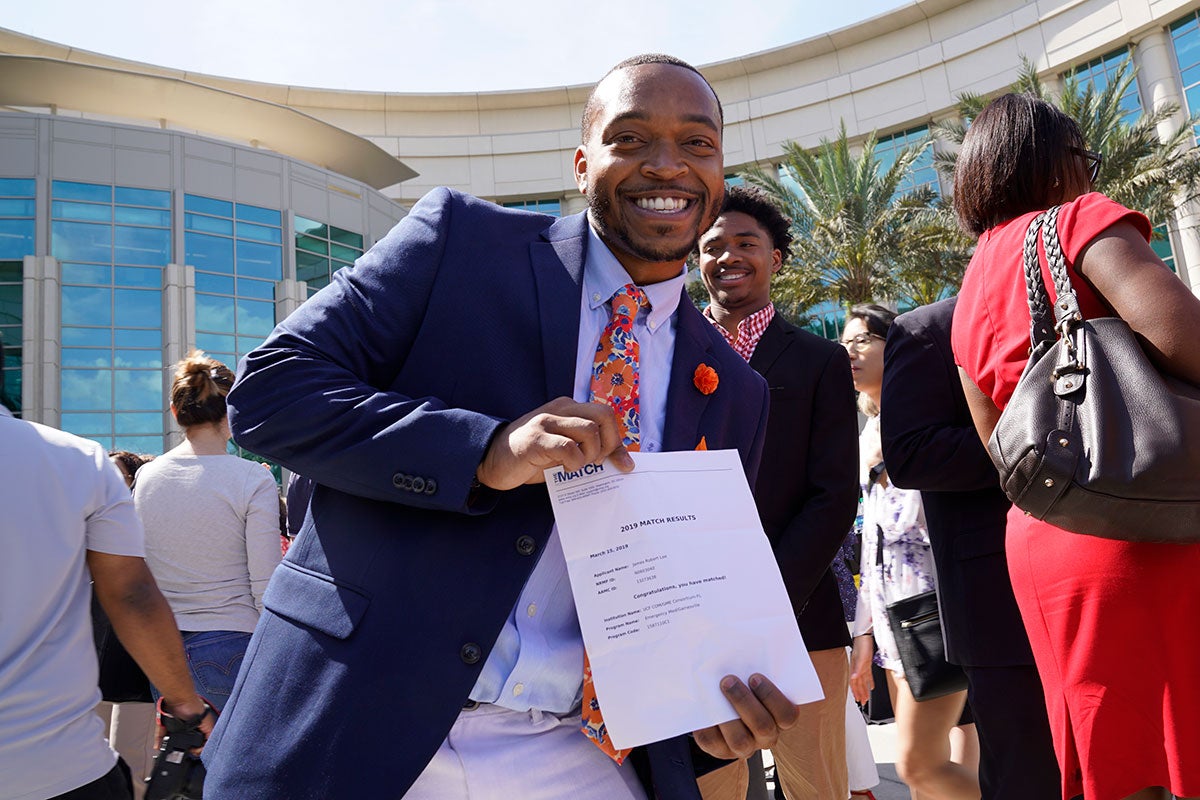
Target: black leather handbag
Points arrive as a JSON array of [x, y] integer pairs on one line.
[[917, 628], [1095, 440]]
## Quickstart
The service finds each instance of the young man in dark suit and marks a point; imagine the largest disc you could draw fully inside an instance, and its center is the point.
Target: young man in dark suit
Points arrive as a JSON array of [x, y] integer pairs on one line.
[[420, 638], [807, 485], [930, 444]]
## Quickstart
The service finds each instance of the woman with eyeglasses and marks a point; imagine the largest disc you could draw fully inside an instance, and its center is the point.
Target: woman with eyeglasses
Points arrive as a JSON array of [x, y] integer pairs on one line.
[[938, 757], [1112, 623], [212, 529]]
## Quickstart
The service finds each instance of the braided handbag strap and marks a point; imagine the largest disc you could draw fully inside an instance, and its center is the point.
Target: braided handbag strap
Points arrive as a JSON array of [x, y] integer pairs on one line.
[[1041, 327], [1043, 324], [1066, 306]]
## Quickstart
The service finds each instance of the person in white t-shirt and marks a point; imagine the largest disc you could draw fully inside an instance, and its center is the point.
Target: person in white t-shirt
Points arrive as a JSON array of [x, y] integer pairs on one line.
[[68, 519]]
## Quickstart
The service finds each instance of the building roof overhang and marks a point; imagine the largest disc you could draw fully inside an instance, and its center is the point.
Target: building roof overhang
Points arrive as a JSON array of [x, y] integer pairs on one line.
[[34, 81]]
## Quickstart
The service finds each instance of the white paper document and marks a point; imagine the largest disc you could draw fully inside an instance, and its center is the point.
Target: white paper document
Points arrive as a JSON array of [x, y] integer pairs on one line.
[[676, 586]]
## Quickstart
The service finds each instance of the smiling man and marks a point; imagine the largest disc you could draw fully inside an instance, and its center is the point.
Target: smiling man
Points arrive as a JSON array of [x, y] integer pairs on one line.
[[420, 639], [807, 486]]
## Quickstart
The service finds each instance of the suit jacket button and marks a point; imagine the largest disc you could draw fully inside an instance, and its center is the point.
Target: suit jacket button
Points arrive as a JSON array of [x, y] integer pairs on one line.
[[470, 653], [418, 484], [398, 480], [526, 545], [430, 486]]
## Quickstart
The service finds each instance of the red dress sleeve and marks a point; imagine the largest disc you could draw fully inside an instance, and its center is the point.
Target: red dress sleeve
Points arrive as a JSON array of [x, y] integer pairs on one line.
[[990, 334]]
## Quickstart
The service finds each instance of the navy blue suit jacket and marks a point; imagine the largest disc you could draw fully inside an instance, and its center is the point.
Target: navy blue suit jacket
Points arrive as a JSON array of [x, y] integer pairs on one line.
[[386, 388], [930, 444], [807, 488]]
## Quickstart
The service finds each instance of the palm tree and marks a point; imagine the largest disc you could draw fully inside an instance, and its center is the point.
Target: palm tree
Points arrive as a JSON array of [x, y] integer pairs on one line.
[[857, 237], [932, 258], [1141, 170]]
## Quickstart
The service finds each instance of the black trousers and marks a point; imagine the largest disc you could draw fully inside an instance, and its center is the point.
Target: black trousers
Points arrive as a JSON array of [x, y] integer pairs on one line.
[[1016, 754], [115, 785]]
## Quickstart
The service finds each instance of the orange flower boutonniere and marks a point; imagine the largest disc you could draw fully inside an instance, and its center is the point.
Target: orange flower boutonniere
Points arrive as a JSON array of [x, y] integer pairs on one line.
[[705, 379]]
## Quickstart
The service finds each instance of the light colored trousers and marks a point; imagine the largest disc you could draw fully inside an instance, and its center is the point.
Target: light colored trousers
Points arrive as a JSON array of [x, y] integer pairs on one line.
[[492, 753], [810, 758], [131, 733]]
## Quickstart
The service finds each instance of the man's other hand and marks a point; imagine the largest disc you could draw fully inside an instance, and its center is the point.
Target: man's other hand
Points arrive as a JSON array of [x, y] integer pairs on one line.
[[763, 711], [562, 433]]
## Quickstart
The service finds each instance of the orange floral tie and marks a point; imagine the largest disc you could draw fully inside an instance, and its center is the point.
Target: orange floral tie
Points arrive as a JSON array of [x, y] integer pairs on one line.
[[615, 382]]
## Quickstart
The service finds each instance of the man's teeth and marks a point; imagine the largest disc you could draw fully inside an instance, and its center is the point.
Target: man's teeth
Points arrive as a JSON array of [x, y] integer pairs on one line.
[[662, 203]]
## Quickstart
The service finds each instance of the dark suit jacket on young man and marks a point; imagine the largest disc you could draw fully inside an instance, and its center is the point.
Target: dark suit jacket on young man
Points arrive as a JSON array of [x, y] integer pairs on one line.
[[930, 444], [386, 388], [807, 488]]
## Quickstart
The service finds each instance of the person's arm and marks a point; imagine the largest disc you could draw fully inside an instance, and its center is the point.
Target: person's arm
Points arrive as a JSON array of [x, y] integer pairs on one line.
[[812, 538], [145, 625], [313, 396], [862, 681], [262, 533], [926, 444], [1123, 269], [984, 412]]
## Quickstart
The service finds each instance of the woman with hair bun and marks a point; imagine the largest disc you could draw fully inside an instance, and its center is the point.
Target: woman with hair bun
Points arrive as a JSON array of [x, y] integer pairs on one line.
[[212, 529]]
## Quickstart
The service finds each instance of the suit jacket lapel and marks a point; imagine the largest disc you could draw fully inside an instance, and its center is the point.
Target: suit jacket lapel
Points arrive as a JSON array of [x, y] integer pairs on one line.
[[558, 272], [685, 403], [775, 339]]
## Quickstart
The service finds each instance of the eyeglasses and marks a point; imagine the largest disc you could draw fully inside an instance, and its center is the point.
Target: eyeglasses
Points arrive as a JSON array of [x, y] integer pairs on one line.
[[857, 342], [1093, 159]]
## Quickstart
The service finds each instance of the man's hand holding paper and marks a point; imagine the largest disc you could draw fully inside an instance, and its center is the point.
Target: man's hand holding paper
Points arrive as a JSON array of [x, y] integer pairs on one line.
[[677, 588]]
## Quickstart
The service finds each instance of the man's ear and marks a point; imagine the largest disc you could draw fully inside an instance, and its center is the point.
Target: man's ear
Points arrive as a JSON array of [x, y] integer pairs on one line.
[[581, 180], [776, 261]]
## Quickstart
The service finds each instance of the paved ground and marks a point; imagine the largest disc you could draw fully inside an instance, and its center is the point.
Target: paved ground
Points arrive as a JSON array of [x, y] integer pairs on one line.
[[883, 745]]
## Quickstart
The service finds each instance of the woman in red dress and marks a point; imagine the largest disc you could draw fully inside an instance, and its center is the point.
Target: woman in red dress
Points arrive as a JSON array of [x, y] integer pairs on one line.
[[1112, 623]]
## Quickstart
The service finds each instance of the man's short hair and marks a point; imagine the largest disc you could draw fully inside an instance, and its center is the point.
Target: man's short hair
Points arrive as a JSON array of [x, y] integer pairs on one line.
[[589, 107], [754, 202]]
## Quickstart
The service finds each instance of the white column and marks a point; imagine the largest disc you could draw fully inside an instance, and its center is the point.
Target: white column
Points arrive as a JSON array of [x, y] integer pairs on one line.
[[41, 341], [573, 203], [289, 295], [179, 335], [1159, 85], [1156, 77]]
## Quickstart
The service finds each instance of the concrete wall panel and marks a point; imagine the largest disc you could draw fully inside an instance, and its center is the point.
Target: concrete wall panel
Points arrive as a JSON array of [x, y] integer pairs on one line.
[[144, 168], [76, 161]]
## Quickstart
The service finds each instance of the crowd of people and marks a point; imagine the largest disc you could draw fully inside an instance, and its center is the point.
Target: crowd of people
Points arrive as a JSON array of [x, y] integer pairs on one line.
[[420, 639]]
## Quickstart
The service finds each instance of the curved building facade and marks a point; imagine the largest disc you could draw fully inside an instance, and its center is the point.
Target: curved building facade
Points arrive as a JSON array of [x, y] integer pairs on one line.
[[146, 210]]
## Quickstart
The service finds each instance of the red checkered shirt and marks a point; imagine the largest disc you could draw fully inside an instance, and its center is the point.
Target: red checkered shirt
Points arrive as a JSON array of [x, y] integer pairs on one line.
[[749, 331]]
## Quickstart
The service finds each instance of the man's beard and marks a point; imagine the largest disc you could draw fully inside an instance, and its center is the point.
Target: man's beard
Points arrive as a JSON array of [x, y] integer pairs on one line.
[[602, 210]]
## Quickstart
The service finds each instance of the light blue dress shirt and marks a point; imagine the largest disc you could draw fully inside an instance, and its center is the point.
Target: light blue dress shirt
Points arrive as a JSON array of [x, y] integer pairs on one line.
[[537, 661]]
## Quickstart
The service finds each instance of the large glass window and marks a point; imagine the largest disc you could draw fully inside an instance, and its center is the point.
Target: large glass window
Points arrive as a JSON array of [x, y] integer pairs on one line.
[[1185, 35], [17, 214], [1161, 244], [237, 252], [1100, 71], [112, 243], [826, 320], [551, 207], [322, 250], [922, 173]]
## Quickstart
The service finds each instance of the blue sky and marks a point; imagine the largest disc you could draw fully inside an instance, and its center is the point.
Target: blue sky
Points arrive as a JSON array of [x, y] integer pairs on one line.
[[426, 45]]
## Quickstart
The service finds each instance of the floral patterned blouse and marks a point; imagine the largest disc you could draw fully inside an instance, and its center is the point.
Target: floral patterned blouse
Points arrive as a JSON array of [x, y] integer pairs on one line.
[[907, 561]]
